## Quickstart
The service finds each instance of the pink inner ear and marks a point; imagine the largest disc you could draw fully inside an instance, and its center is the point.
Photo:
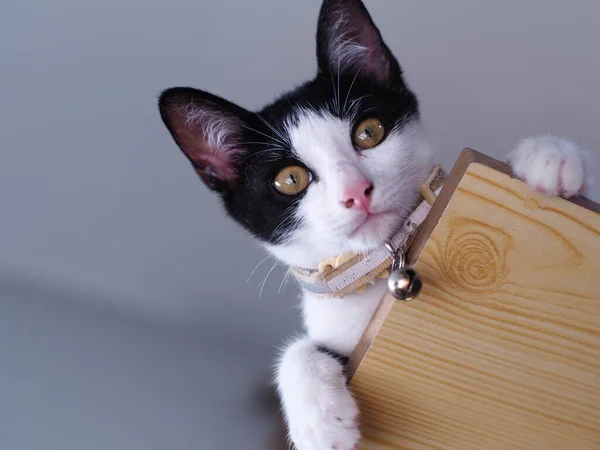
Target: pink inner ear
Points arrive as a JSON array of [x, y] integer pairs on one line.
[[377, 62], [208, 137], [220, 163], [368, 40], [354, 40]]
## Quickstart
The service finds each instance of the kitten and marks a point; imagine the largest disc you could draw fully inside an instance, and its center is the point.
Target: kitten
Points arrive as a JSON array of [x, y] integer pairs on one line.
[[329, 168]]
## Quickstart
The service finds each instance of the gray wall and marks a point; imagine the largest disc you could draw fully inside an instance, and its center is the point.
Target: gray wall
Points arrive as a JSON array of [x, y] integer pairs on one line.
[[100, 212]]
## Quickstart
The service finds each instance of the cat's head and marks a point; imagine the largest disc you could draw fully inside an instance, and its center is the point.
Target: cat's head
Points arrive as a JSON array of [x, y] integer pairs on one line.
[[332, 166]]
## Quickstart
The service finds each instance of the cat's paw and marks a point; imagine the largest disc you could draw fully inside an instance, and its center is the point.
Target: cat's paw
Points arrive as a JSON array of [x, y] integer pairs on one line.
[[553, 166], [320, 411], [329, 423]]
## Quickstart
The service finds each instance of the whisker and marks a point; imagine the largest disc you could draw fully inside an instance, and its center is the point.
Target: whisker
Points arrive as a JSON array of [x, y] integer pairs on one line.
[[256, 267], [273, 129], [359, 99], [268, 150], [287, 274], [284, 223], [334, 93], [262, 286], [338, 86], [266, 135], [352, 84], [257, 142]]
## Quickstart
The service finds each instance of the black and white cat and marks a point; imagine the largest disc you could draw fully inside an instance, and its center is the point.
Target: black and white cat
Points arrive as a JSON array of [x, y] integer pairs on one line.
[[329, 168]]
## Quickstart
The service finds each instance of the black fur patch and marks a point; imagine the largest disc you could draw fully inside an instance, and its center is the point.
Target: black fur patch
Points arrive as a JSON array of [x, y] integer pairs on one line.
[[253, 201], [264, 147]]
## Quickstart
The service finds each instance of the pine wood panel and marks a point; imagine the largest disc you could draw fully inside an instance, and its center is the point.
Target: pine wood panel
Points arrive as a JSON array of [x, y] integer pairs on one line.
[[502, 348]]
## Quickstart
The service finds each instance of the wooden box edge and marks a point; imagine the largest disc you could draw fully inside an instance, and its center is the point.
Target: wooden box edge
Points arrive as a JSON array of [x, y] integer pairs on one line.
[[467, 157]]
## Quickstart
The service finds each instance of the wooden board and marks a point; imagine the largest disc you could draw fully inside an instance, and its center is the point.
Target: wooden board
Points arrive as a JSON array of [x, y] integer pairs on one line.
[[502, 348]]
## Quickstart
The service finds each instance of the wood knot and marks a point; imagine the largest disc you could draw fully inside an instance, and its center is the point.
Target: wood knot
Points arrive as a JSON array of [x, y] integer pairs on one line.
[[474, 256]]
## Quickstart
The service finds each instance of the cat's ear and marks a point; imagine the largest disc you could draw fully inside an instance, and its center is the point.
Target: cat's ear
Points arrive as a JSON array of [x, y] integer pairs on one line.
[[348, 41], [209, 131]]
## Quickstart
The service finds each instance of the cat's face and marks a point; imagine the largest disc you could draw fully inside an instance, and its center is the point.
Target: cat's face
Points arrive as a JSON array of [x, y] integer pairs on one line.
[[330, 167]]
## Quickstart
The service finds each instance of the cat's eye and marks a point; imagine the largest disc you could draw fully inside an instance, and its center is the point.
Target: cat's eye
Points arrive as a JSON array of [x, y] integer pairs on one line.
[[292, 180], [368, 133]]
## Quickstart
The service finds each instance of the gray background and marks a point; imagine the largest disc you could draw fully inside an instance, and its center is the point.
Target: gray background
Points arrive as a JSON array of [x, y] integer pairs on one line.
[[126, 321]]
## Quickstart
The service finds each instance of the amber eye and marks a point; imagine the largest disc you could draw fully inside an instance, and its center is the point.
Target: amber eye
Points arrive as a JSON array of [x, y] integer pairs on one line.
[[368, 133], [292, 180]]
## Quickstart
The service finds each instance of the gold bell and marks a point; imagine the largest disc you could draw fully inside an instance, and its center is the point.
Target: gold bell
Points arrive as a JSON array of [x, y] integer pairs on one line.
[[405, 284]]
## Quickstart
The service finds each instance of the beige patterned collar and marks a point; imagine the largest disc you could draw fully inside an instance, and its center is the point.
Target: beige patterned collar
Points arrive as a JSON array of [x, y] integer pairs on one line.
[[344, 274]]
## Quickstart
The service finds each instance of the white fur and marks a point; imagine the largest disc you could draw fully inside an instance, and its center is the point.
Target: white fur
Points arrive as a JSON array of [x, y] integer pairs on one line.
[[553, 165], [338, 323], [346, 52], [396, 167], [318, 407], [219, 130]]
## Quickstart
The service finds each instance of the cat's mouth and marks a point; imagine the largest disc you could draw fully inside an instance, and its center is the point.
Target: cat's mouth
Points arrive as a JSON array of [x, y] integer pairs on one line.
[[371, 222]]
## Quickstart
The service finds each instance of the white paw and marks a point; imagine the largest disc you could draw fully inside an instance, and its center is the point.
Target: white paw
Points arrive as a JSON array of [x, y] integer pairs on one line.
[[329, 423], [553, 166], [320, 411]]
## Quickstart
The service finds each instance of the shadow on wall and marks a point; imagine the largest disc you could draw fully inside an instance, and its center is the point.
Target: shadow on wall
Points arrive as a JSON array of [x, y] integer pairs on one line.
[[96, 379]]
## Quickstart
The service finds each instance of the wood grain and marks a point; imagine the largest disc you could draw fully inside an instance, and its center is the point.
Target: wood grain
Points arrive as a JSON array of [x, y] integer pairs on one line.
[[466, 158], [502, 348]]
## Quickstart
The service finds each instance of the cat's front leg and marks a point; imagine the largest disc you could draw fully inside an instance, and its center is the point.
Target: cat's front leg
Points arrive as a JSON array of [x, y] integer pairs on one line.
[[553, 165], [319, 409]]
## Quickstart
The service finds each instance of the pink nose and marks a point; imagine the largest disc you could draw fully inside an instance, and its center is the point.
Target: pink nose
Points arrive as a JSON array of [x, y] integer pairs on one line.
[[358, 195]]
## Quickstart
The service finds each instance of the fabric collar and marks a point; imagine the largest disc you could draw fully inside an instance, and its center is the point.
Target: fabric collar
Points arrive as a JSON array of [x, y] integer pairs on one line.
[[342, 275]]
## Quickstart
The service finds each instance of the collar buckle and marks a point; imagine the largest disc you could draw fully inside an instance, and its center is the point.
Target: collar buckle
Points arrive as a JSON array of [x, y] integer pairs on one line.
[[431, 184], [398, 257]]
